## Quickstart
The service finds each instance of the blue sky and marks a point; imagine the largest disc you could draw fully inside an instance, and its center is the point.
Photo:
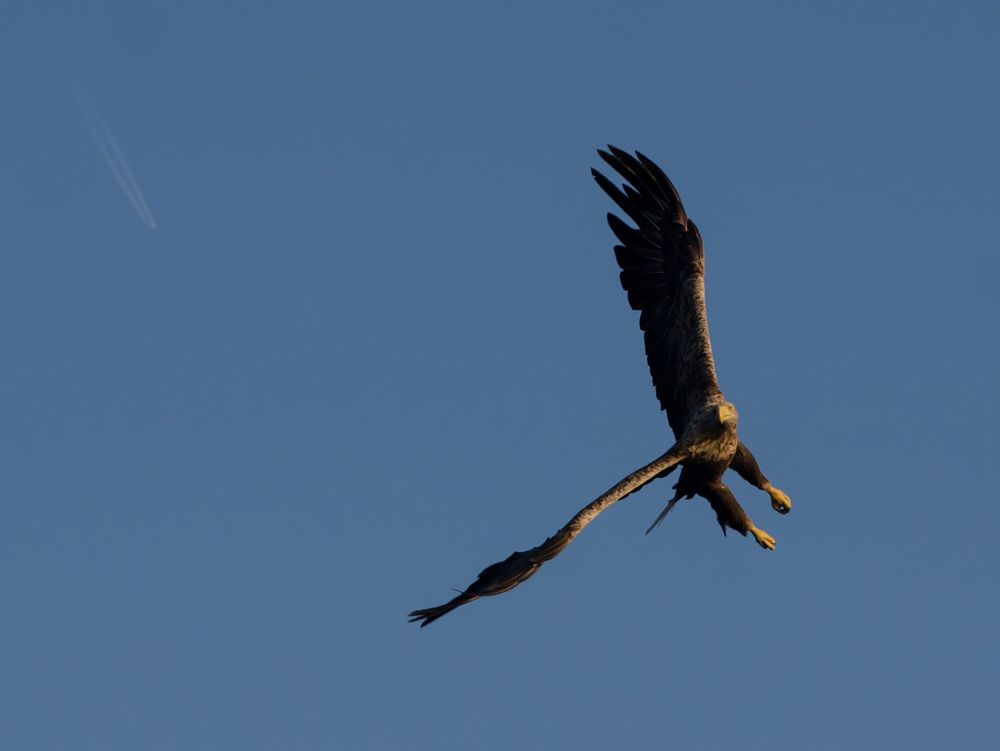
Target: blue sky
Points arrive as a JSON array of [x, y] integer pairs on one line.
[[377, 341]]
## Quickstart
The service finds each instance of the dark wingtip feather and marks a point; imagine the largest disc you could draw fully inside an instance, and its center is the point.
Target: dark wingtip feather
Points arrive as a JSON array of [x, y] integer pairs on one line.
[[625, 234], [426, 616], [620, 165], [634, 212], [611, 160], [643, 180], [665, 182]]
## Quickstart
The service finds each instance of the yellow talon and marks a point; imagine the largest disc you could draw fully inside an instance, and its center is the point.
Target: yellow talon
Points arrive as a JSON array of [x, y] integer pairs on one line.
[[779, 501], [763, 538]]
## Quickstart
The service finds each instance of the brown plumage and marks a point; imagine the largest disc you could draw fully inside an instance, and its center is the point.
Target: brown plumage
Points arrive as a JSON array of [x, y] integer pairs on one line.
[[663, 272]]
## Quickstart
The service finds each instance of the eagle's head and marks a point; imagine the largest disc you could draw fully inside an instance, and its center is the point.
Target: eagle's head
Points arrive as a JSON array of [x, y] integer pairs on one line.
[[727, 414]]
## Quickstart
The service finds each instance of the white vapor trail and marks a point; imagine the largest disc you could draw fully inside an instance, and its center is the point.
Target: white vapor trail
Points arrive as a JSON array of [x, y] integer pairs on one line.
[[115, 158]]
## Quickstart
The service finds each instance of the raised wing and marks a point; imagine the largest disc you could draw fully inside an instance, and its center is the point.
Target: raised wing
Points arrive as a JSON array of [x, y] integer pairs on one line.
[[663, 271]]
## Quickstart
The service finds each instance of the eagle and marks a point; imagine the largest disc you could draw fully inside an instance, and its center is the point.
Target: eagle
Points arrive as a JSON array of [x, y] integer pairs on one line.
[[662, 264]]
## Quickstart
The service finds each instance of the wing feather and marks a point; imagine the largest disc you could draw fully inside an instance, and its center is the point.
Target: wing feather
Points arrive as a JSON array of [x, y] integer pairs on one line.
[[663, 272]]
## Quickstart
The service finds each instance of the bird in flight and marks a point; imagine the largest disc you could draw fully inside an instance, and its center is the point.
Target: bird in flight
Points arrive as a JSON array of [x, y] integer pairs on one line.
[[663, 272]]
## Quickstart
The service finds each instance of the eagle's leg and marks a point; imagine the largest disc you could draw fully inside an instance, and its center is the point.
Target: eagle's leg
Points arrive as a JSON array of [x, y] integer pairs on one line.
[[746, 466], [779, 501], [730, 514], [763, 538]]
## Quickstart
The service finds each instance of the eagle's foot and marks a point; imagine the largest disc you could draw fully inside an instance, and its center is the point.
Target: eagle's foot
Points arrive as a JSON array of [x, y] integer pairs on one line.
[[779, 501], [763, 538]]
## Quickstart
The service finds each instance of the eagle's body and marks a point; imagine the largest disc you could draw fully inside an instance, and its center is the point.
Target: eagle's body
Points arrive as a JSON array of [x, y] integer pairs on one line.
[[663, 272]]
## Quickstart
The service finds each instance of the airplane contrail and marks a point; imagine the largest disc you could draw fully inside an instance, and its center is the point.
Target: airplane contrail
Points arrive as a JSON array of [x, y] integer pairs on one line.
[[115, 158]]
